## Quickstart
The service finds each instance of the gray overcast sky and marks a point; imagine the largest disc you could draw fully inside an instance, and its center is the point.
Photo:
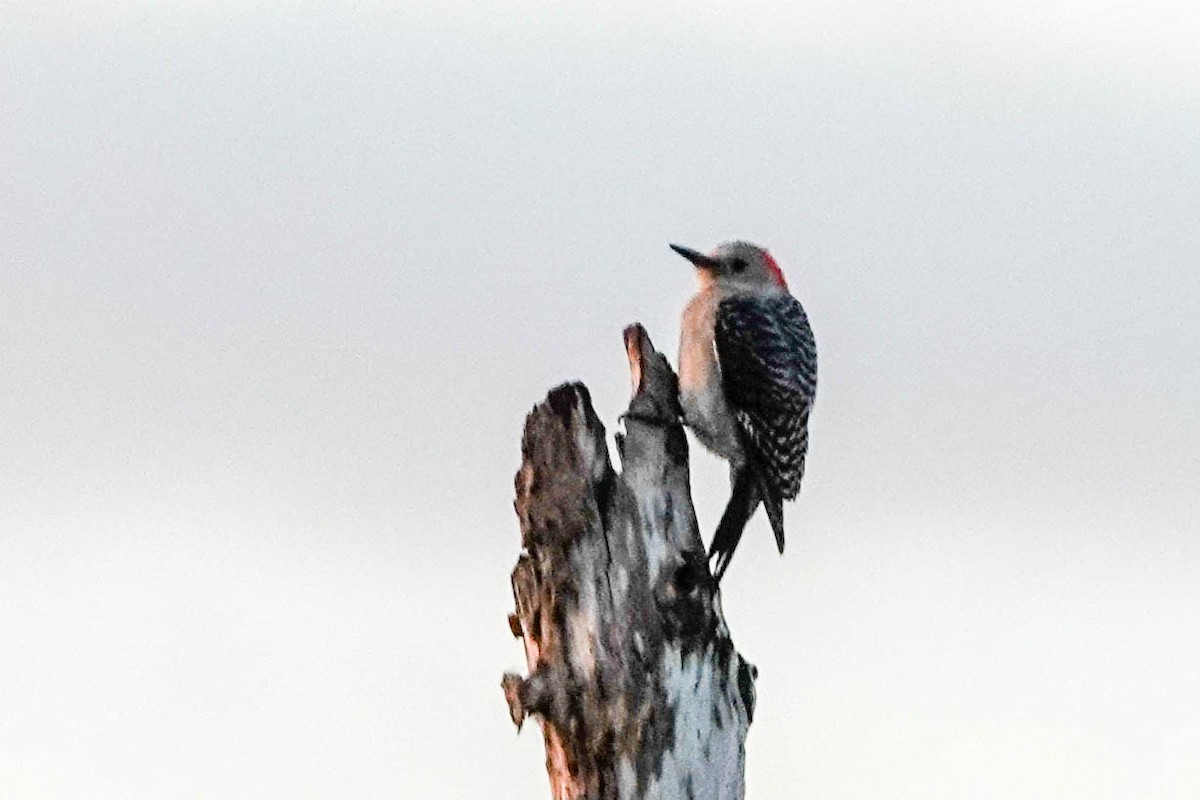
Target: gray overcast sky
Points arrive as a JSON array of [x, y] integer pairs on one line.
[[277, 287]]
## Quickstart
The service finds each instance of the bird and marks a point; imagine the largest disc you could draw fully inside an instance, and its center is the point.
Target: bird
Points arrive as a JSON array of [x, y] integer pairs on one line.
[[747, 382]]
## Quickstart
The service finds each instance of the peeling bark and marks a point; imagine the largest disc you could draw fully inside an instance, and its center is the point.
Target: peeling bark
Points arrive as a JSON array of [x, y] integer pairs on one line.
[[632, 672]]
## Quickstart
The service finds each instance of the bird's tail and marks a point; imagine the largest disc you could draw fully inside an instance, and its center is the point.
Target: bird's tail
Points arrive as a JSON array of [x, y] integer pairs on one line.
[[743, 501], [774, 506]]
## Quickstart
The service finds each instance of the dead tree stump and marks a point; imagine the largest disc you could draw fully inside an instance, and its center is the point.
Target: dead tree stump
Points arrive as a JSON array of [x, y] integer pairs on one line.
[[632, 673]]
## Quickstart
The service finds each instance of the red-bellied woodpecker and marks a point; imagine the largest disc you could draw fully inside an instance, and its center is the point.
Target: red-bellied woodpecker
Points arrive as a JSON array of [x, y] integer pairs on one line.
[[747, 380]]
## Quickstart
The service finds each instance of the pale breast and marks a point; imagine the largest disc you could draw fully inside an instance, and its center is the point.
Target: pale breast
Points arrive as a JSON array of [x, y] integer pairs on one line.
[[700, 391]]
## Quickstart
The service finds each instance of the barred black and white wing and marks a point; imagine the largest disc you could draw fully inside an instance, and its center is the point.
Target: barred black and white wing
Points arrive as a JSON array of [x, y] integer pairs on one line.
[[768, 360]]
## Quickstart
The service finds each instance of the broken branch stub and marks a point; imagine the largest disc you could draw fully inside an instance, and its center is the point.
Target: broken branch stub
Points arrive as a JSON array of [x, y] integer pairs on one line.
[[632, 673]]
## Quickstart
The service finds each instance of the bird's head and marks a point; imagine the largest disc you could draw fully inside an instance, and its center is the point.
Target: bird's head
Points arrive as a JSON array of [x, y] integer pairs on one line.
[[738, 264]]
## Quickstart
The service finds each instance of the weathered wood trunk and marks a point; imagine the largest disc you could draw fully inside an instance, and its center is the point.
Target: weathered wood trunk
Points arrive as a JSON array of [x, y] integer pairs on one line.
[[632, 672]]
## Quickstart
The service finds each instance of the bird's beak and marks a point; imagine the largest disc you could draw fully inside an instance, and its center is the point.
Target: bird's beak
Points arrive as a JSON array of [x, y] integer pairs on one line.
[[699, 259]]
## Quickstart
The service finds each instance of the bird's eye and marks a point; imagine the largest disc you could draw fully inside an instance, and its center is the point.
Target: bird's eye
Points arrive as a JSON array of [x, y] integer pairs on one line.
[[739, 265]]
